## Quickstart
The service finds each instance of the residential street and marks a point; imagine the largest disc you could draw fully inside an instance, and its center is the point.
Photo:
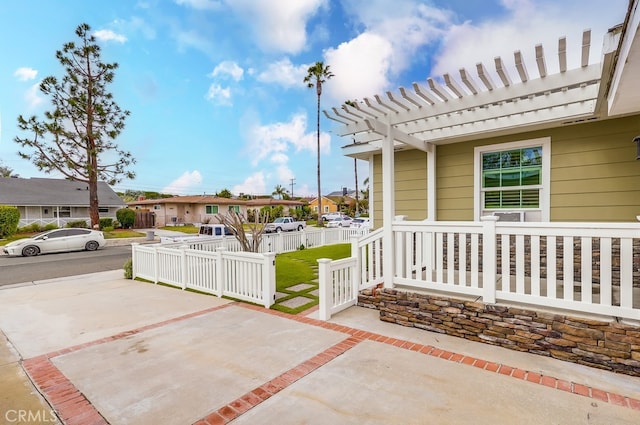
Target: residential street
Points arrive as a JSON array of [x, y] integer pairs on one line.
[[49, 266]]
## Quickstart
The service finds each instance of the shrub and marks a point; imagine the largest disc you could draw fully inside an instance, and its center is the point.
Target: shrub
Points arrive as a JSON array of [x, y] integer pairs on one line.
[[128, 269], [50, 226], [9, 219], [77, 223], [106, 222], [107, 229], [126, 217], [32, 228]]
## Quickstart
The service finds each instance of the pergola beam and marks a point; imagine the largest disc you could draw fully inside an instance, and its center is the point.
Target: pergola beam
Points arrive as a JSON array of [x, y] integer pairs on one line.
[[395, 134], [453, 86], [502, 72], [522, 69], [542, 66], [586, 45], [562, 54]]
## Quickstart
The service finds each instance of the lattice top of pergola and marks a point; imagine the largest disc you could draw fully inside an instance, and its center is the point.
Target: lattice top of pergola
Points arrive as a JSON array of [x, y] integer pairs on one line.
[[477, 106]]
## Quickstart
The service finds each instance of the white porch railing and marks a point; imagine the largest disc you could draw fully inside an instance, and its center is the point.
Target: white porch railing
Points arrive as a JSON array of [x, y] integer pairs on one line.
[[242, 275], [219, 267], [279, 242], [585, 267]]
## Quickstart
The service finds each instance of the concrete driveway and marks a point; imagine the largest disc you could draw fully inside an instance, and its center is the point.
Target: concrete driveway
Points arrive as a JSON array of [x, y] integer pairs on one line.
[[99, 349]]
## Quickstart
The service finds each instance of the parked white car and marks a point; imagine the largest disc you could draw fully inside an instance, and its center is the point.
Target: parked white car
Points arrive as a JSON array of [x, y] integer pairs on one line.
[[332, 215], [364, 222], [342, 221], [58, 240]]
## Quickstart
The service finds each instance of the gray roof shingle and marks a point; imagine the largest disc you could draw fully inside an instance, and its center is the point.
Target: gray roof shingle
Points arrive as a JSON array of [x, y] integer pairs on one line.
[[51, 192]]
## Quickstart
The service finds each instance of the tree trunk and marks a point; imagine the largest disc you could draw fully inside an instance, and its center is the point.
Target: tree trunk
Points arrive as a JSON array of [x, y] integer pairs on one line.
[[320, 223], [94, 212]]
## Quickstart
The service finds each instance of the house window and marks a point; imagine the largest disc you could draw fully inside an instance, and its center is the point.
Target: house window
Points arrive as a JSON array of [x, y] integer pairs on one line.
[[326, 208], [62, 212], [514, 177], [234, 208], [211, 209], [103, 209], [156, 207]]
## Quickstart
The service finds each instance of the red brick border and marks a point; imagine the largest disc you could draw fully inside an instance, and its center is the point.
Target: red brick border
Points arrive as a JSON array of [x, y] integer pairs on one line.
[[74, 408]]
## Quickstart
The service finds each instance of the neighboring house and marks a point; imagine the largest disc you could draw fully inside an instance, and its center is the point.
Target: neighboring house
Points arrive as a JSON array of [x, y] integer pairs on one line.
[[344, 192], [549, 148], [328, 205], [56, 201], [189, 209]]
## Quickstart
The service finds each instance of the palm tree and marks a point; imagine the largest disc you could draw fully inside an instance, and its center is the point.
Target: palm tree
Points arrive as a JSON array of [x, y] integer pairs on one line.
[[279, 191], [317, 74]]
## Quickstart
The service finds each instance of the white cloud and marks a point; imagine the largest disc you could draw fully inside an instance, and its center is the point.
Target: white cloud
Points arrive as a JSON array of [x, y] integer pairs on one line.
[[228, 68], [184, 184], [32, 96], [25, 74], [283, 72], [524, 25], [200, 4], [272, 142], [278, 25], [219, 95], [252, 185], [108, 35], [192, 40], [391, 39], [360, 67]]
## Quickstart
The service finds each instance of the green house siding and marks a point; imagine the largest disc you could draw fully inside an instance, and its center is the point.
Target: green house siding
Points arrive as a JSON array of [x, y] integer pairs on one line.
[[594, 174], [410, 185]]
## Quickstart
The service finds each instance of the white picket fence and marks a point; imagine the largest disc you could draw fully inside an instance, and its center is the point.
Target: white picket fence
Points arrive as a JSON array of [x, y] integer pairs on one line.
[[246, 276], [584, 267], [220, 267], [279, 242], [340, 281]]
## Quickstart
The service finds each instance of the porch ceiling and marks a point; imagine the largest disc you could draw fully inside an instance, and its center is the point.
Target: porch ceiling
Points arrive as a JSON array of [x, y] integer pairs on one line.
[[470, 108]]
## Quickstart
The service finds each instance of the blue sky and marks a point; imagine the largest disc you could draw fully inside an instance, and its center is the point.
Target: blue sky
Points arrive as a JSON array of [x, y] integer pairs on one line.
[[215, 86]]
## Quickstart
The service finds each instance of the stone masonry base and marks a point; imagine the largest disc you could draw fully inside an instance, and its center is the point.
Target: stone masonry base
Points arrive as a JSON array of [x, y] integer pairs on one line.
[[596, 342]]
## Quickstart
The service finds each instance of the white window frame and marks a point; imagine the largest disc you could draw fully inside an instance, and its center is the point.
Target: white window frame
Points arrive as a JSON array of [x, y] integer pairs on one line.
[[545, 191]]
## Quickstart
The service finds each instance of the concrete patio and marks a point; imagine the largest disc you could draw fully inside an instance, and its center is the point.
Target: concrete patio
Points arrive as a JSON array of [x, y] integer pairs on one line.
[[102, 349]]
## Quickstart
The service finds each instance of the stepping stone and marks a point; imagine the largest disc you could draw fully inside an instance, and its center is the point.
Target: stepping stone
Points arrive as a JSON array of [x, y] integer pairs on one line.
[[280, 295], [315, 292], [296, 302], [299, 287]]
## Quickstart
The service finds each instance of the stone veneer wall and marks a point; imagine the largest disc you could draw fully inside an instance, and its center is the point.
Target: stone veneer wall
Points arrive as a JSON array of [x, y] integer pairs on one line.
[[603, 344]]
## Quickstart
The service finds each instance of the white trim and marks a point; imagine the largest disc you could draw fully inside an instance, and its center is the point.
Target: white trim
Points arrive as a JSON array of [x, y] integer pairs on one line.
[[431, 184], [545, 191]]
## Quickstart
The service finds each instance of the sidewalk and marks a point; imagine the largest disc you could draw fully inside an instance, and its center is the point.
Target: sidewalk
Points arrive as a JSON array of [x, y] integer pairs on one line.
[[103, 349]]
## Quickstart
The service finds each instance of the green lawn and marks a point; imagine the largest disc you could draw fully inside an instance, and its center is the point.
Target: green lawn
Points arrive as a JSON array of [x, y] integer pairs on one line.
[[293, 268]]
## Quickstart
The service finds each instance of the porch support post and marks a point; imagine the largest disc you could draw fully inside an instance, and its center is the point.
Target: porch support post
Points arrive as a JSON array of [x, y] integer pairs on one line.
[[489, 259], [372, 214], [431, 182], [388, 207]]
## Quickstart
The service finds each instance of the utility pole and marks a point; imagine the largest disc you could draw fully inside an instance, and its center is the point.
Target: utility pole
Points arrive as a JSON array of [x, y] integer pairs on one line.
[[292, 183]]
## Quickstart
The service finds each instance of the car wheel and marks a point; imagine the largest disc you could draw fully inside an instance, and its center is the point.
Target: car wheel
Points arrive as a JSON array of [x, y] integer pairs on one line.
[[30, 251], [299, 228], [92, 246], [278, 229]]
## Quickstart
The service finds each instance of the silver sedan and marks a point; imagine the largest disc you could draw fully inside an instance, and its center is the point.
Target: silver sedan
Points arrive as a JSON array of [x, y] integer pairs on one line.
[[58, 240]]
